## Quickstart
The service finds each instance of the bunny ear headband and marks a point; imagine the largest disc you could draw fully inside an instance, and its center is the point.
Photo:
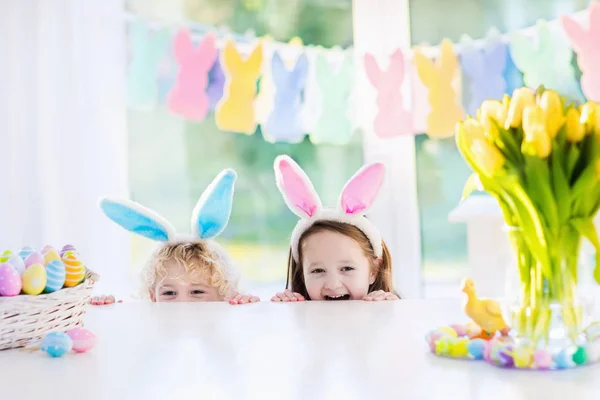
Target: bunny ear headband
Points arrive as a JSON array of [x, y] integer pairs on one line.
[[356, 198], [209, 218]]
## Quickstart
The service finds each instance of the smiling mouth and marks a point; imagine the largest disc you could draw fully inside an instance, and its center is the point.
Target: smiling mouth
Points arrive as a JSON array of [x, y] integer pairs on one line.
[[340, 297]]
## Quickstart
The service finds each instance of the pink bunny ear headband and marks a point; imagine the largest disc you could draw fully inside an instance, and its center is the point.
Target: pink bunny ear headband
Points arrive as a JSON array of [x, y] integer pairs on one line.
[[356, 198]]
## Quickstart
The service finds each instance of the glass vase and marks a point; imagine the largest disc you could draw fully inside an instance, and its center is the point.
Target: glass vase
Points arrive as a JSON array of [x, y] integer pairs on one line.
[[546, 307]]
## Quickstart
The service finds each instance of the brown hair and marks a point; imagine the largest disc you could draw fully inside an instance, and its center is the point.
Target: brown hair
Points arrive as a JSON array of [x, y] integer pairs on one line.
[[192, 256], [383, 270]]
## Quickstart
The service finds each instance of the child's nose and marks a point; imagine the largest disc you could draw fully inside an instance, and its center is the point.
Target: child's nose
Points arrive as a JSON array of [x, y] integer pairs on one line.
[[332, 281]]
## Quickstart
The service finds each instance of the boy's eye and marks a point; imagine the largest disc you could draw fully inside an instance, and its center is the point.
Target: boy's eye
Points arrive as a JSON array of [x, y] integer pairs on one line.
[[197, 292], [169, 293], [347, 268], [317, 271]]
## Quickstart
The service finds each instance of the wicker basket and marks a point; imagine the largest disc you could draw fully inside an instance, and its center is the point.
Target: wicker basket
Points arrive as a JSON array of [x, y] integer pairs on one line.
[[25, 318]]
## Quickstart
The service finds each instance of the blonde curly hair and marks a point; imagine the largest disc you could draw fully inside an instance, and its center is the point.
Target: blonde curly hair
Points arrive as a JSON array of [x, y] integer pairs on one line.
[[194, 257]]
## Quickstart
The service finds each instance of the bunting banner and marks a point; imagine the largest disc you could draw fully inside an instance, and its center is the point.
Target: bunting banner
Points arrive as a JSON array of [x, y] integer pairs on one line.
[[293, 92]]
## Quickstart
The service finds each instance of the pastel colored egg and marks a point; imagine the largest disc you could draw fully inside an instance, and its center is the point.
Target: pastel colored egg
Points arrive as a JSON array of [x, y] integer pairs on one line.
[[56, 344], [83, 339], [431, 339], [51, 255], [459, 348], [580, 356], [505, 356], [34, 258], [442, 346], [34, 279], [56, 275], [562, 359], [542, 359], [46, 249], [593, 331], [75, 271], [17, 263], [522, 357], [66, 248], [25, 252], [449, 331], [10, 281], [460, 330], [5, 256], [476, 348]]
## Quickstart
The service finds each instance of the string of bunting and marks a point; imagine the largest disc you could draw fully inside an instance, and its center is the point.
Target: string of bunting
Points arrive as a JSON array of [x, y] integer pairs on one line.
[[292, 90]]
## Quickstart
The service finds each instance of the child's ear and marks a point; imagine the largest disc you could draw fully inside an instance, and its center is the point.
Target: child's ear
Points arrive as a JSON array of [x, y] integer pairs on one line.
[[152, 295], [375, 271]]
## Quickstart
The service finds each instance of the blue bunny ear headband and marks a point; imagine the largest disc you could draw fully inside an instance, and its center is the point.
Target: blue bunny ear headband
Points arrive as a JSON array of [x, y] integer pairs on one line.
[[209, 218]]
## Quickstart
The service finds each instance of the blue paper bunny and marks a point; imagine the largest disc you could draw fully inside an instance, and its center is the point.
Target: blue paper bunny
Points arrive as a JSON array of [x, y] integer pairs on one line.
[[285, 122]]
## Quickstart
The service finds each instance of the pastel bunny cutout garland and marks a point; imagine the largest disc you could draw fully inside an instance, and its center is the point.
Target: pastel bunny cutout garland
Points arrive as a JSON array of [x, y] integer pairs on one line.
[[356, 198], [209, 218]]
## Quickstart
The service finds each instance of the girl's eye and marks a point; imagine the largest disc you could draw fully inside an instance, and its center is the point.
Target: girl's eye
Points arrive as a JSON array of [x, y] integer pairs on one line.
[[169, 293], [347, 268], [317, 271], [197, 292]]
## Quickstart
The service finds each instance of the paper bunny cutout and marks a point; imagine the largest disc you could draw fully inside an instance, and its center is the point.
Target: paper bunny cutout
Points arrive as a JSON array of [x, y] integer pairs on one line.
[[188, 97], [216, 84], [586, 43], [235, 111], [392, 117], [148, 50], [333, 126], [485, 69], [545, 61], [356, 198], [209, 218], [445, 106], [285, 123]]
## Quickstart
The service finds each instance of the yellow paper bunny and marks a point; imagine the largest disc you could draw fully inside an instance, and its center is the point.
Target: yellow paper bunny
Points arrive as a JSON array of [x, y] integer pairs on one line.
[[445, 108], [235, 111]]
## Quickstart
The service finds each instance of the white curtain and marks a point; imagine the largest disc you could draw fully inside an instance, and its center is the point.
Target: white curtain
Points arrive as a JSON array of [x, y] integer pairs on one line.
[[63, 141]]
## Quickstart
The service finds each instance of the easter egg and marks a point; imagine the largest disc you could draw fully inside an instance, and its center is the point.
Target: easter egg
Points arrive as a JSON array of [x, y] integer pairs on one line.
[[17, 263], [66, 248], [459, 348], [5, 256], [542, 359], [56, 344], [460, 330], [51, 255], [442, 345], [562, 359], [522, 357], [10, 280], [34, 258], [46, 249], [580, 356], [75, 271], [25, 252], [505, 356], [56, 275], [431, 339], [449, 331], [476, 348], [83, 339], [34, 279], [593, 331]]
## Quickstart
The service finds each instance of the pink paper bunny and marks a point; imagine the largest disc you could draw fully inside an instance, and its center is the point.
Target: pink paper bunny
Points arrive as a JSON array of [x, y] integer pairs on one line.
[[188, 97], [586, 44], [392, 118]]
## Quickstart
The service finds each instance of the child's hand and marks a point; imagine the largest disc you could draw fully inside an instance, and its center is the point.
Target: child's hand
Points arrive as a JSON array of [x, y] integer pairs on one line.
[[380, 295], [288, 295], [243, 299], [103, 300]]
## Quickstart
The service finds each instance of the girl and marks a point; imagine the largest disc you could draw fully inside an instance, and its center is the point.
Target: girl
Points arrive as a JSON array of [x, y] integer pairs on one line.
[[335, 254], [185, 268]]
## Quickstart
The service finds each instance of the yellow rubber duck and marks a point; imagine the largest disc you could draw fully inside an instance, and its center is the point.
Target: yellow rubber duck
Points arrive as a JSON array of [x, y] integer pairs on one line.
[[484, 312]]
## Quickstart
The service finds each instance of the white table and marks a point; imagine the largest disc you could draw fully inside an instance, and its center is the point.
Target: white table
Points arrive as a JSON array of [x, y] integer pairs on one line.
[[313, 350]]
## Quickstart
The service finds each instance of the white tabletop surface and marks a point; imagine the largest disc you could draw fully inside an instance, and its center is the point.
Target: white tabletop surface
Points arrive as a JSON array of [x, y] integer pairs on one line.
[[312, 350]]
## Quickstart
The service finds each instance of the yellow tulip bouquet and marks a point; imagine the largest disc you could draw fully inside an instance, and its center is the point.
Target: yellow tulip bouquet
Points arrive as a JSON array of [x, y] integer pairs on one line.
[[540, 159]]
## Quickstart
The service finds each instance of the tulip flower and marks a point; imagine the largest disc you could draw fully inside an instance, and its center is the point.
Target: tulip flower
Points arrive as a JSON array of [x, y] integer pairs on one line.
[[575, 130], [590, 117], [522, 97], [537, 141], [487, 156], [552, 106]]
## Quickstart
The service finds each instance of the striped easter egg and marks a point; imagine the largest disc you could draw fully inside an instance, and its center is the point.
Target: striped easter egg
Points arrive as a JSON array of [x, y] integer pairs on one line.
[[56, 275], [5, 256], [25, 252], [66, 248], [75, 271]]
